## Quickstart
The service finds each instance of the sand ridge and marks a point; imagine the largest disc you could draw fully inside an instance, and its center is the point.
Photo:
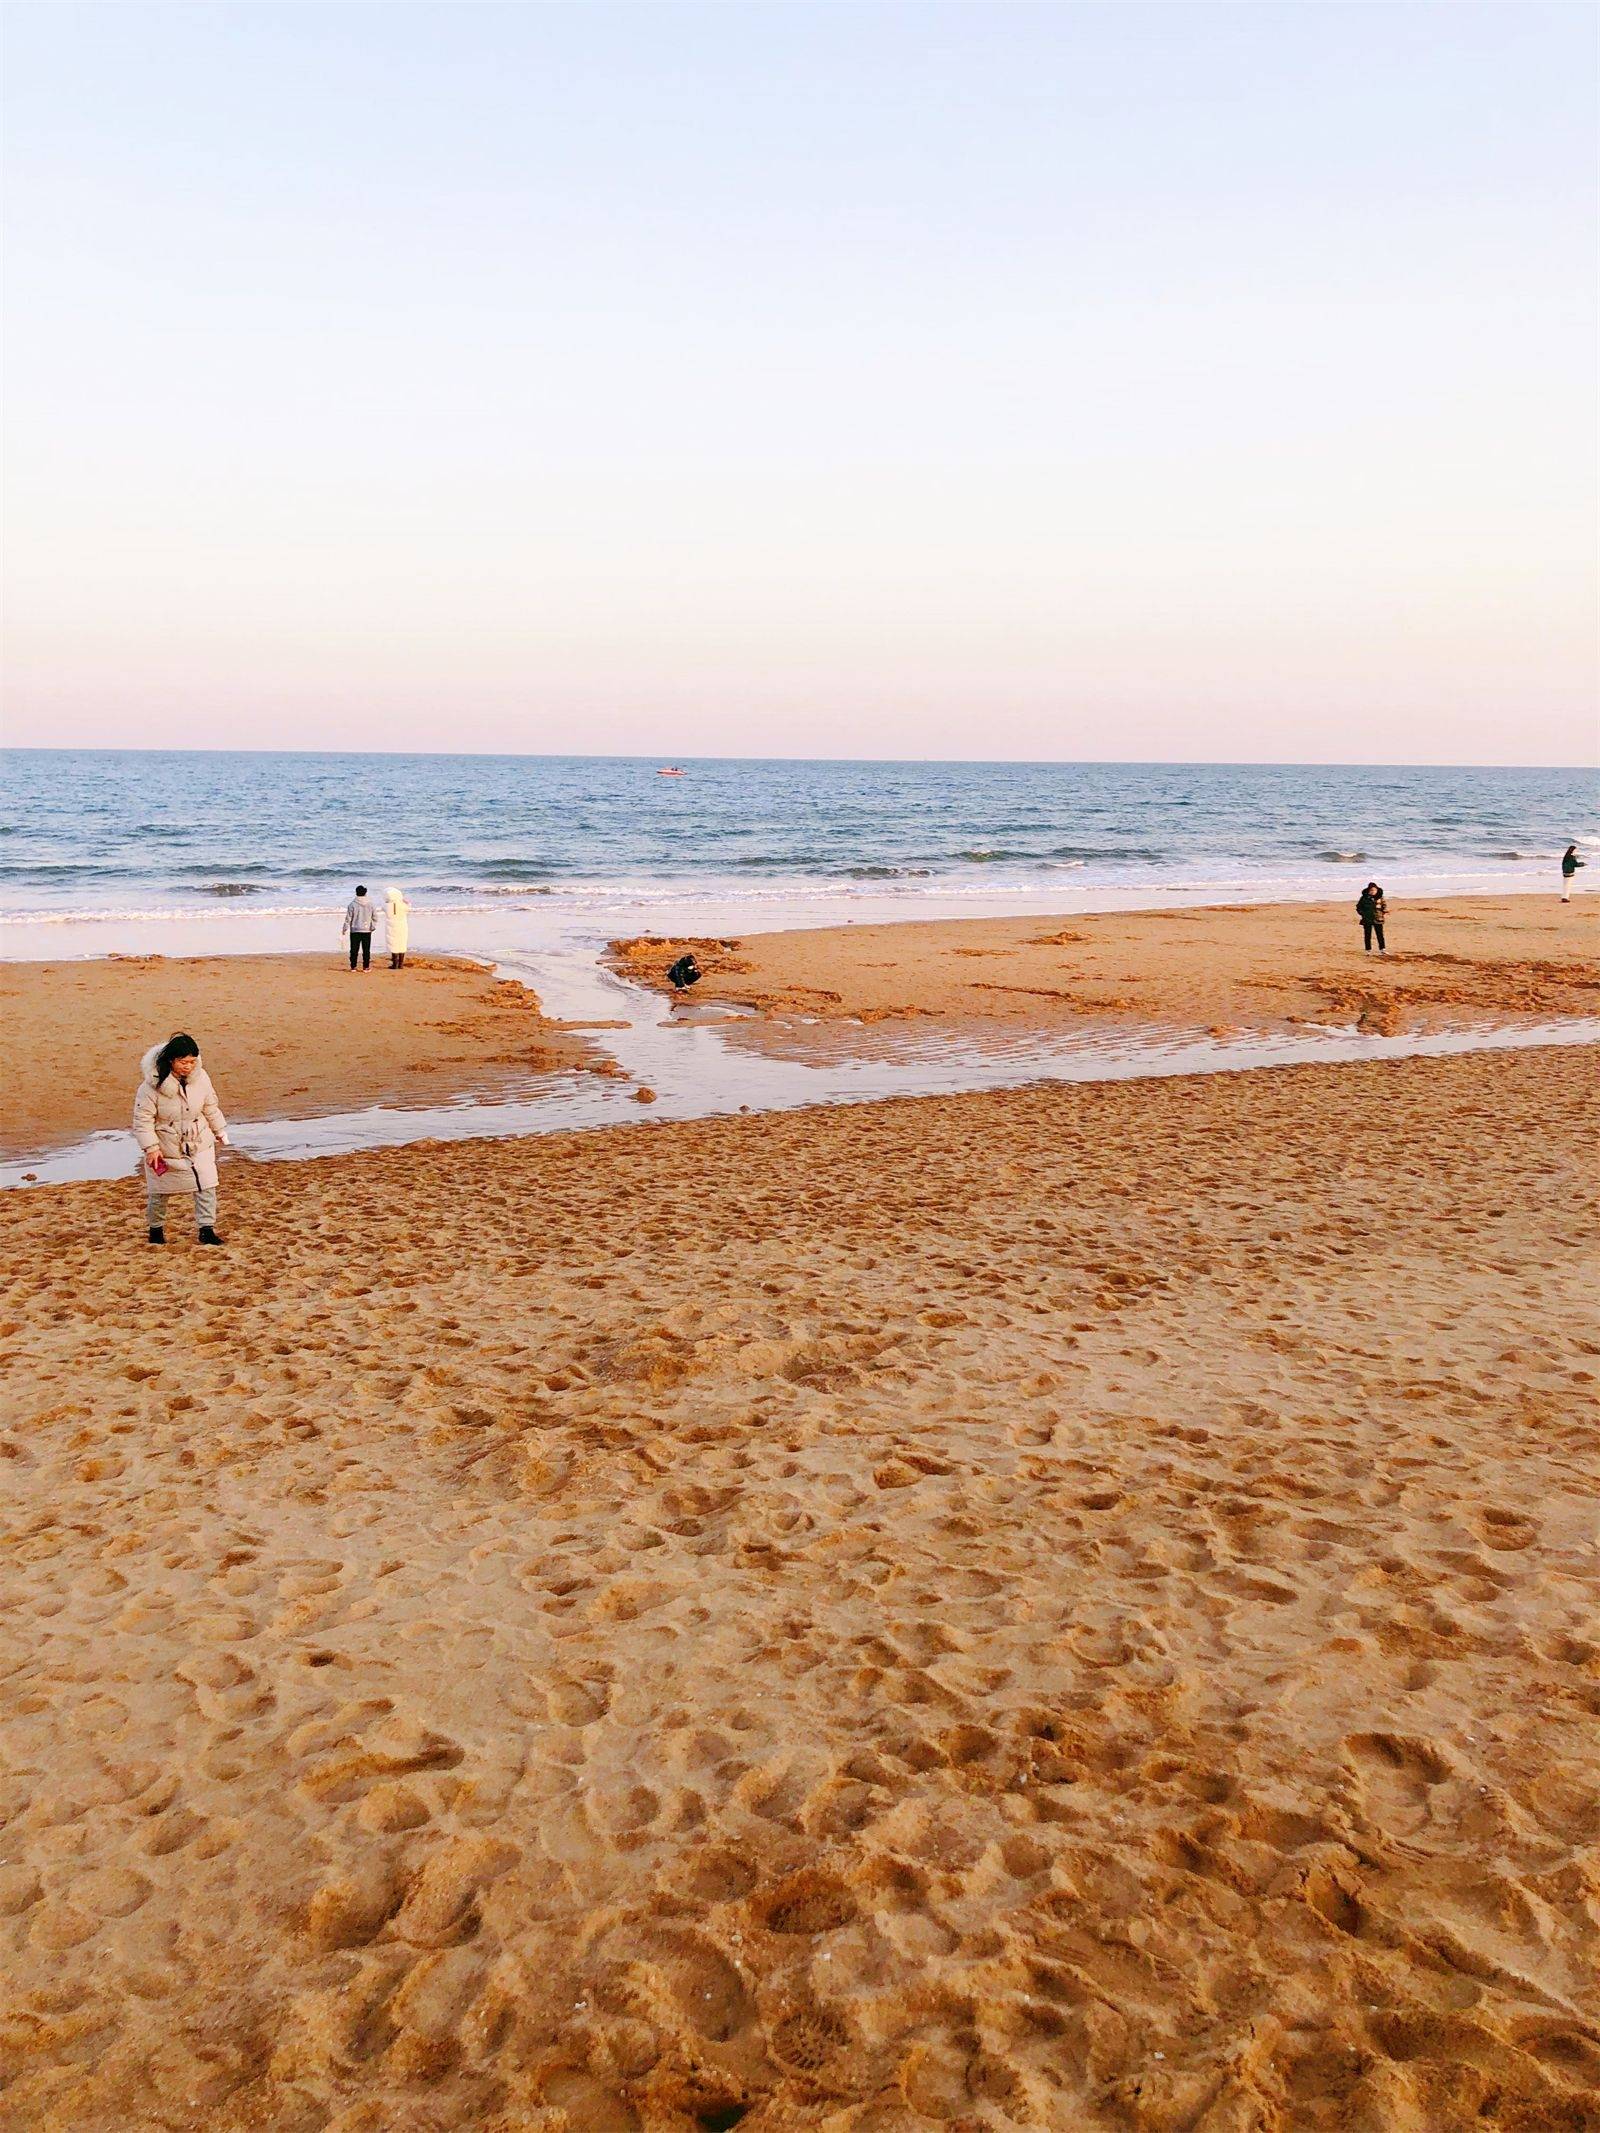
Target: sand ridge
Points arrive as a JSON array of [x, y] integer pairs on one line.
[[285, 1036], [1220, 968], [1072, 1609]]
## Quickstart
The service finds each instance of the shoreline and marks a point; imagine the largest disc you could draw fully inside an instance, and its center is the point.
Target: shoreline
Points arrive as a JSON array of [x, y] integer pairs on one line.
[[1078, 1596], [688, 908]]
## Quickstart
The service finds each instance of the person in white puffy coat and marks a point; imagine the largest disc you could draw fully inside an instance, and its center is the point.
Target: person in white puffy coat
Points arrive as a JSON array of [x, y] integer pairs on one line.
[[397, 926], [179, 1126]]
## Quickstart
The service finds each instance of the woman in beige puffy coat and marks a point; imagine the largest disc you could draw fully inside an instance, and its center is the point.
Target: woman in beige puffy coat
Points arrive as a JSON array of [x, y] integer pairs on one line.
[[179, 1126]]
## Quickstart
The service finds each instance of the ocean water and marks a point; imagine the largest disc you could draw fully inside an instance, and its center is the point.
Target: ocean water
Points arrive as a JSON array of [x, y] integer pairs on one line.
[[106, 837]]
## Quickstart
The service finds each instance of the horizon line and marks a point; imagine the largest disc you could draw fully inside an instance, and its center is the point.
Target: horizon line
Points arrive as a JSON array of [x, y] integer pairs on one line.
[[535, 755]]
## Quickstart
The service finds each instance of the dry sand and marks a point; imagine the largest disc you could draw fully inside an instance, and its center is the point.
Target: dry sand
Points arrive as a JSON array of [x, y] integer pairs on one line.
[[1059, 1611], [1218, 968], [285, 1036]]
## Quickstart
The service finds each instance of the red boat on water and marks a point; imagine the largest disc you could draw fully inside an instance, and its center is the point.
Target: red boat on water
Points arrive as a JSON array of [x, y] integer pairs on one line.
[[671, 771]]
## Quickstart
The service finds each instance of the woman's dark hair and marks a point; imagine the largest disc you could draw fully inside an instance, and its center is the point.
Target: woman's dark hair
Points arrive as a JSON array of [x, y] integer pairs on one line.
[[177, 1046]]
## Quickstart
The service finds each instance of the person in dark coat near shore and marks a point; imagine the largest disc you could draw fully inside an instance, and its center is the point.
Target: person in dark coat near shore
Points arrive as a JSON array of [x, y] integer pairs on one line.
[[1570, 863], [1371, 909]]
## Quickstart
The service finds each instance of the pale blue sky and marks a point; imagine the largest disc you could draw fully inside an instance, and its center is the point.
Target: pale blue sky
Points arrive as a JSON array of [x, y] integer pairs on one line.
[[923, 379]]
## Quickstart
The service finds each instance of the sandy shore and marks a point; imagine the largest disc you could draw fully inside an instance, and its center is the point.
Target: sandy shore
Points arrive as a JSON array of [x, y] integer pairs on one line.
[[1218, 968], [286, 1036], [1073, 1609]]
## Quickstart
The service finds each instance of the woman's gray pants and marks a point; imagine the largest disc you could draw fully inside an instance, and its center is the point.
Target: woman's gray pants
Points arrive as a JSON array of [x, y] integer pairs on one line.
[[205, 1206]]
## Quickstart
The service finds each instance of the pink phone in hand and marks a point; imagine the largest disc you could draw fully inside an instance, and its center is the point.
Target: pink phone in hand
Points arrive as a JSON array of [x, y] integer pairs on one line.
[[159, 1166]]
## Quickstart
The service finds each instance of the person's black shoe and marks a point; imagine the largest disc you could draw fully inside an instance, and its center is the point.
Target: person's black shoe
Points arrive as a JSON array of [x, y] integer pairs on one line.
[[158, 1236], [209, 1236]]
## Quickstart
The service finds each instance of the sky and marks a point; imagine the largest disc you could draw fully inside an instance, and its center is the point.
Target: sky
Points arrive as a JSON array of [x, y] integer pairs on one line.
[[827, 378]]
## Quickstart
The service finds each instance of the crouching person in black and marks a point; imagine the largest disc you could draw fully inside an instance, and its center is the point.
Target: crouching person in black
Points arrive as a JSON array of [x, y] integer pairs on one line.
[[683, 973]]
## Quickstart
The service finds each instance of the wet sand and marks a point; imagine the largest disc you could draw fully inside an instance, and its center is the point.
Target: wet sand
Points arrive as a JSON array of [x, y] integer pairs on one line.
[[1044, 1612], [1219, 968], [286, 1036]]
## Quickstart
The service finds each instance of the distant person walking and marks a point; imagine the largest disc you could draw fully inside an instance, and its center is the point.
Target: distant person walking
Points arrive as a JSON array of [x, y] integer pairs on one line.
[[179, 1126], [397, 927], [1570, 863], [1371, 909], [360, 919]]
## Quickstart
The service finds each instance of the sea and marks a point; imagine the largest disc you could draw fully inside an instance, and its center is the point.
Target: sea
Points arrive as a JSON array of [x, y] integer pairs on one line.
[[222, 842]]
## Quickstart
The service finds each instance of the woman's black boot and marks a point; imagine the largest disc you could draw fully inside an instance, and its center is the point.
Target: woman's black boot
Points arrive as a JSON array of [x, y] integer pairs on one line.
[[158, 1236], [209, 1236]]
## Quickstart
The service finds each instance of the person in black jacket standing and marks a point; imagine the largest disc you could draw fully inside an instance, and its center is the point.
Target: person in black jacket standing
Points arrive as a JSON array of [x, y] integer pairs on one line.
[[1570, 863], [1370, 909]]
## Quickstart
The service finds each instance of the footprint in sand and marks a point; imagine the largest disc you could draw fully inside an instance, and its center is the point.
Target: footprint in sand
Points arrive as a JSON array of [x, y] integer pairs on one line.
[[577, 1703], [700, 1984], [355, 1761], [814, 2041], [1503, 1529], [441, 1905], [1395, 1775], [353, 1908], [808, 1902]]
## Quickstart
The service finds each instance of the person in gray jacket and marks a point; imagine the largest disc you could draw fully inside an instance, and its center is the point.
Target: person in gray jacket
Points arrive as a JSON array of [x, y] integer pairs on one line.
[[360, 921]]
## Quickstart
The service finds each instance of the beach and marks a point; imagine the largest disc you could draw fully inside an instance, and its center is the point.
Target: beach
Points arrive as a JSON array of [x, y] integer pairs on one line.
[[1219, 969], [980, 1514], [1063, 1609]]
